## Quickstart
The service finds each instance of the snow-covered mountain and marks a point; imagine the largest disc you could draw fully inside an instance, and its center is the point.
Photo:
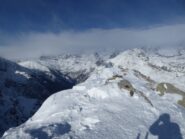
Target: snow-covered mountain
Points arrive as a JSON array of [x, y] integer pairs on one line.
[[141, 95], [77, 67], [26, 84]]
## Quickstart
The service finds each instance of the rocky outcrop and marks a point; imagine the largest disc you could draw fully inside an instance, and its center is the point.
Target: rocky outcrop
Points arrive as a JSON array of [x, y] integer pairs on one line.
[[163, 88], [125, 84]]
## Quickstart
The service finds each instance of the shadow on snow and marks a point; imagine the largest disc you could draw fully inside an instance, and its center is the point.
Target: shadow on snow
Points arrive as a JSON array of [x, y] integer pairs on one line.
[[164, 128]]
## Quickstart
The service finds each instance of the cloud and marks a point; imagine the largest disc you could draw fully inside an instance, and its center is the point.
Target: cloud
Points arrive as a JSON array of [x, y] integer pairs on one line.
[[33, 44]]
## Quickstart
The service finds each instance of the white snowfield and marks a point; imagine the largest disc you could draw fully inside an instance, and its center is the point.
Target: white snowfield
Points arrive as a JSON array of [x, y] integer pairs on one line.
[[99, 109]]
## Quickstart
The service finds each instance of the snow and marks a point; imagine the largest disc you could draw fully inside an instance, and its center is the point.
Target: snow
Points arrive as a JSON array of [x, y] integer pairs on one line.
[[97, 93], [96, 109], [34, 65], [76, 67], [165, 86], [79, 88], [23, 74], [89, 123], [135, 60]]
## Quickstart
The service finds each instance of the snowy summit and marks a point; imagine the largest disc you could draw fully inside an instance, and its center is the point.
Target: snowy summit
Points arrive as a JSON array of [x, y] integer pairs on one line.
[[141, 94]]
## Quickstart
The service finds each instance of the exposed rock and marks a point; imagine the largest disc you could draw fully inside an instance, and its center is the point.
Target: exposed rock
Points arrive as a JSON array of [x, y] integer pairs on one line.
[[163, 88], [113, 78], [125, 84]]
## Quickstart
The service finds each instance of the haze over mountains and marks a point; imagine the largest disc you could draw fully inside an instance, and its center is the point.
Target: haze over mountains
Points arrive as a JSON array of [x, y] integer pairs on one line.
[[35, 44]]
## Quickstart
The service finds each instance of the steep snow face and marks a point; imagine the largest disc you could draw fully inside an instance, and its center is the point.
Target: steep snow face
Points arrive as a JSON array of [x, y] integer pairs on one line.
[[99, 108]]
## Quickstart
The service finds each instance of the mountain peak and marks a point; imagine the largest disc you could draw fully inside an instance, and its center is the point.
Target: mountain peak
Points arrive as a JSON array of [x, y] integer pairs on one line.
[[121, 101]]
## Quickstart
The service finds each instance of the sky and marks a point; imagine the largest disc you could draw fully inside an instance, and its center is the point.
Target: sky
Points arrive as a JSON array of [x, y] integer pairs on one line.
[[31, 28]]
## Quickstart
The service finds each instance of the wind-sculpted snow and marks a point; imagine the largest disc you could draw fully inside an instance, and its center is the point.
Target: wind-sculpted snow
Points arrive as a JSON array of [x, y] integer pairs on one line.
[[99, 108]]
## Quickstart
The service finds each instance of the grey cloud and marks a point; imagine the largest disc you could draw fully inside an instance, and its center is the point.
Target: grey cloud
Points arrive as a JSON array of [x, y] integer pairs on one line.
[[30, 45]]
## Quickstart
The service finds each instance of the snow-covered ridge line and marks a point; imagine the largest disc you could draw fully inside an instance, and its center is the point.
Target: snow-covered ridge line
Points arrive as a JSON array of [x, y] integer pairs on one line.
[[112, 102], [26, 84]]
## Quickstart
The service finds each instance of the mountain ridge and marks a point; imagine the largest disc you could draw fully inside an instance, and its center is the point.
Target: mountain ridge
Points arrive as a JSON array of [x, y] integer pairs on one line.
[[26, 84], [100, 108]]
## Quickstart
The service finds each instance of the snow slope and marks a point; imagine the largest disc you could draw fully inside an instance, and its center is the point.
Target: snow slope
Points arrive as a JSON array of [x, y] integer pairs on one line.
[[98, 108]]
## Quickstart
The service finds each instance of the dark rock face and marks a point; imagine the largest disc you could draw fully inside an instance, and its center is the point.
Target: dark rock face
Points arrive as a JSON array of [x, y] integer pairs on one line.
[[3, 65], [22, 92]]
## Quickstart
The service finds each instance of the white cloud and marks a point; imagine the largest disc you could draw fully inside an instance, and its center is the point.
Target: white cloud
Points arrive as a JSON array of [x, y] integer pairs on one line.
[[36, 44]]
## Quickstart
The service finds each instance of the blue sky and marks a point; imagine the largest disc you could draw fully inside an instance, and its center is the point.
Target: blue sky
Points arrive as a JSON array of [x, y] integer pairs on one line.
[[60, 15], [31, 28]]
